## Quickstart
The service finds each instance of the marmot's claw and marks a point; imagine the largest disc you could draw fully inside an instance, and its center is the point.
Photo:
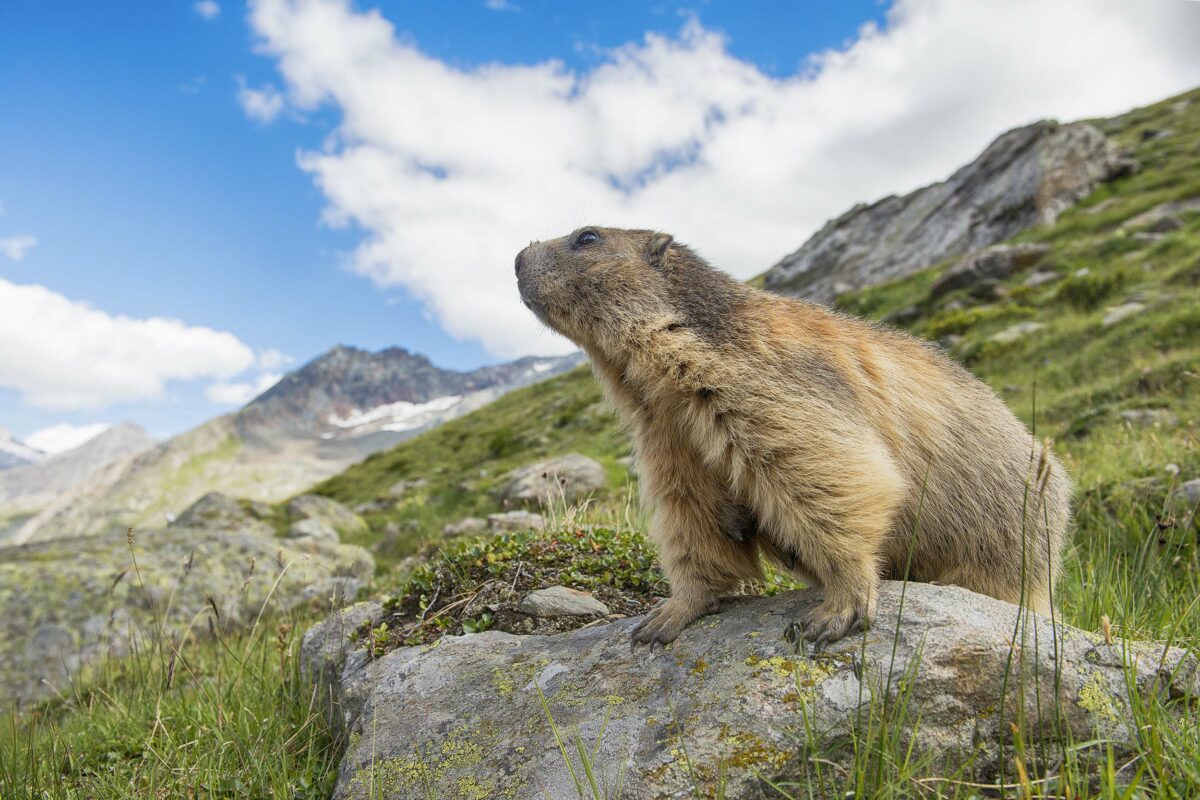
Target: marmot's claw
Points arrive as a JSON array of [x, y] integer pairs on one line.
[[662, 624], [824, 625]]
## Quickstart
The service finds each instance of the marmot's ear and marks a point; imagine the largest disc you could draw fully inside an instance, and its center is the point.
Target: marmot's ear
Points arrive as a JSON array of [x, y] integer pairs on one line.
[[657, 248]]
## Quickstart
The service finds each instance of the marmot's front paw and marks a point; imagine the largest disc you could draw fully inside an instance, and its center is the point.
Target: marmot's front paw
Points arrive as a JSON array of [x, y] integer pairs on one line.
[[667, 620], [827, 623]]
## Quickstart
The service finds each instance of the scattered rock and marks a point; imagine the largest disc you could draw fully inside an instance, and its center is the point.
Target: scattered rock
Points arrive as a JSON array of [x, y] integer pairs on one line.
[[333, 514], [375, 506], [1191, 491], [568, 478], [1152, 134], [1015, 332], [1164, 217], [1027, 176], [1115, 314], [1147, 417], [399, 489], [739, 687], [313, 529], [1041, 278], [218, 512], [949, 341], [993, 264], [515, 521], [560, 601], [464, 527], [67, 603]]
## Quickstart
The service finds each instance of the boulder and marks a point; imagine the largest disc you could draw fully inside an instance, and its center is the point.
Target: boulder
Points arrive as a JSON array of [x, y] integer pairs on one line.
[[515, 521], [1041, 278], [1149, 417], [568, 478], [1026, 177], [1164, 217], [984, 268], [333, 514], [561, 601], [219, 512], [67, 603], [465, 718], [313, 529]]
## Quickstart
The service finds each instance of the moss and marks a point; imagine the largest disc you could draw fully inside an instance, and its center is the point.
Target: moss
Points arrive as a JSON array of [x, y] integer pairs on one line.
[[1094, 698]]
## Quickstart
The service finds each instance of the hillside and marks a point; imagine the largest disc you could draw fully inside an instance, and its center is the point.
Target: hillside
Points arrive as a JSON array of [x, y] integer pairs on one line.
[[1118, 393], [1088, 327], [315, 422]]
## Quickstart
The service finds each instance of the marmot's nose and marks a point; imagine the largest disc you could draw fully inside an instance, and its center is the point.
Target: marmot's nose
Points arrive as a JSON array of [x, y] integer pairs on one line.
[[520, 261]]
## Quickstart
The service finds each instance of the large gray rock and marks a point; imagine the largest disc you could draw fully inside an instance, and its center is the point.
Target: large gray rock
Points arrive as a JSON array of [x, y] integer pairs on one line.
[[562, 601], [67, 603], [462, 718], [519, 520], [328, 512], [218, 512], [993, 264], [568, 478], [1028, 176]]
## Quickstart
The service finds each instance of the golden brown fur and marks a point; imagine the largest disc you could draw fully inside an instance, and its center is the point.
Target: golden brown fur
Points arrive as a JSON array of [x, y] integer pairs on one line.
[[838, 449]]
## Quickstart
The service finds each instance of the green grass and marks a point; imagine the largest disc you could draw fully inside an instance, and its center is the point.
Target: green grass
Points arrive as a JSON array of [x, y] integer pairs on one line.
[[141, 727], [221, 717]]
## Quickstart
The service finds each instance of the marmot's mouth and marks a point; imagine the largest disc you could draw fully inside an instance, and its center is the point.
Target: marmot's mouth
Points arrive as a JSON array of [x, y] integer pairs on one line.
[[538, 310]]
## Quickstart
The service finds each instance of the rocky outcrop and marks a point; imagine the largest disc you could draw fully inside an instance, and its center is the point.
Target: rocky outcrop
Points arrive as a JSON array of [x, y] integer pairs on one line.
[[68, 603], [729, 700], [993, 264], [568, 478], [218, 512], [331, 514], [1028, 176]]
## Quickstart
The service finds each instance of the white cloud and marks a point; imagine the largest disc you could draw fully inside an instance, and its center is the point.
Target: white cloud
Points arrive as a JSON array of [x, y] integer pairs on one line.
[[64, 436], [17, 247], [261, 105], [271, 360], [207, 9], [449, 171], [500, 5], [240, 393], [64, 354]]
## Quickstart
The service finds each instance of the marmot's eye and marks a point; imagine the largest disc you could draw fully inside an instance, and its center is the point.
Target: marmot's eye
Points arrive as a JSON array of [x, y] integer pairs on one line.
[[587, 237]]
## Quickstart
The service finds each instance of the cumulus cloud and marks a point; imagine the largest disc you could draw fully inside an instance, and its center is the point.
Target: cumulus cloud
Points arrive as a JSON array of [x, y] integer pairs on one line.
[[17, 247], [271, 360], [64, 436], [240, 393], [207, 9], [261, 105], [450, 170], [64, 354]]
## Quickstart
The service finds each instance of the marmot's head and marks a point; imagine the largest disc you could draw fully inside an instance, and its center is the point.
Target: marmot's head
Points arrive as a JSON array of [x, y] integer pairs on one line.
[[601, 286]]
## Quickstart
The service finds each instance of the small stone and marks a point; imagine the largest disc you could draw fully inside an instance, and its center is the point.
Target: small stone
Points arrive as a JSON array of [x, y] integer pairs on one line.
[[560, 601], [903, 316], [1015, 332], [464, 527], [1041, 278], [515, 521], [401, 488], [1083, 272], [949, 341], [1191, 491], [1115, 314]]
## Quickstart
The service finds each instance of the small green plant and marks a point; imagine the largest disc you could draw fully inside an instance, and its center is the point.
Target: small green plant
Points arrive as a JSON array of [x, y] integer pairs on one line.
[[1088, 291]]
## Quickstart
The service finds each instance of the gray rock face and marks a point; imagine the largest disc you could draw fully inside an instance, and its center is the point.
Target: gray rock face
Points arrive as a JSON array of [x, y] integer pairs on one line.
[[569, 477], [1027, 176], [217, 512], [1122, 312], [992, 264], [561, 601], [465, 713], [1014, 332], [67, 603], [329, 513]]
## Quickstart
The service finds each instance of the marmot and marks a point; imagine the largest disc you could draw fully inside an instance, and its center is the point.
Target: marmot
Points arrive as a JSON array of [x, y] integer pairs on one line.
[[841, 450]]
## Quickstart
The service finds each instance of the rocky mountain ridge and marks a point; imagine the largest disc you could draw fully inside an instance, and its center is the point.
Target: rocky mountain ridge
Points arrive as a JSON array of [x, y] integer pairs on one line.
[[1026, 177], [319, 419], [15, 453]]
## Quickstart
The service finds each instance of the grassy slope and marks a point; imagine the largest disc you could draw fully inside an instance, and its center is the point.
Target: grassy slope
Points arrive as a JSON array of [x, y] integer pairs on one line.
[[1131, 563]]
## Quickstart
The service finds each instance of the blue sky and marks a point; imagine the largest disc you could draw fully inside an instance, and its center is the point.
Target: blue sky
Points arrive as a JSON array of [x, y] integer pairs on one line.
[[155, 191], [126, 154]]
